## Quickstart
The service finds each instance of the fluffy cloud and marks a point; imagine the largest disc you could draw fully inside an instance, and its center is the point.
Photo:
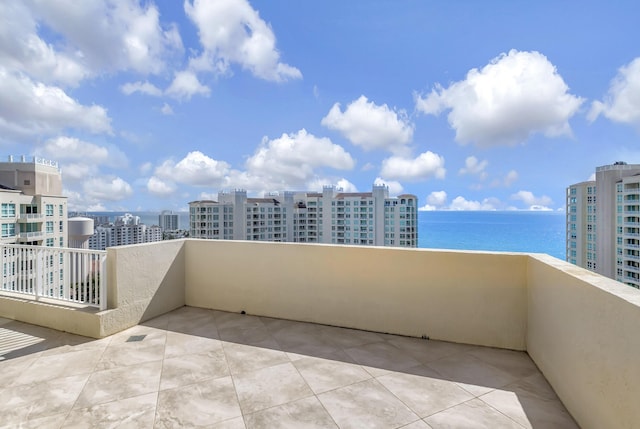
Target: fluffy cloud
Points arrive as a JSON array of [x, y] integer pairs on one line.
[[231, 31], [29, 108], [622, 103], [425, 166], [292, 159], [514, 96], [395, 188], [319, 183], [195, 169], [110, 35], [370, 126], [141, 87], [72, 149], [436, 200], [159, 187], [185, 85], [474, 167], [106, 188], [531, 200], [21, 49], [460, 203]]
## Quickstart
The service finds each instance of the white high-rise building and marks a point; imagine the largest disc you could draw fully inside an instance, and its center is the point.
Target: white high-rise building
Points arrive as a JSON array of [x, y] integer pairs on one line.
[[603, 223], [168, 221], [362, 218]]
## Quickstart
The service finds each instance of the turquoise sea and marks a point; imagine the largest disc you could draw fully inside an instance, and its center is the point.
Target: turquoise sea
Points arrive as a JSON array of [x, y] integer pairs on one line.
[[513, 231]]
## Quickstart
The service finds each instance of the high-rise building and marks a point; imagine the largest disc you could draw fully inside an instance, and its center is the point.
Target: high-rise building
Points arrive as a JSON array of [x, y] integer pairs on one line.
[[33, 210], [603, 223], [168, 221], [362, 218]]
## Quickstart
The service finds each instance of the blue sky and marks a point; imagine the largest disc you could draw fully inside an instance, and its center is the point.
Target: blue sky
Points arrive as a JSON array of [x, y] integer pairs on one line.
[[468, 105]]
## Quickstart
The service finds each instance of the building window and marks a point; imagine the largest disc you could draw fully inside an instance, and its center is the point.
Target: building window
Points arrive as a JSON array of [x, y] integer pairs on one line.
[[49, 209], [49, 227], [8, 210], [8, 230], [49, 242], [60, 210]]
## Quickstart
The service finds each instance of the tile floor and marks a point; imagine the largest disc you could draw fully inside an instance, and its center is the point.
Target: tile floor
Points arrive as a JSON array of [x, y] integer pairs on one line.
[[202, 368]]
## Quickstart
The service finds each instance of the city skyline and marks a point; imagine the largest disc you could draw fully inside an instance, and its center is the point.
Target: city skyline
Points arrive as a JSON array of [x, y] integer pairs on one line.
[[147, 106]]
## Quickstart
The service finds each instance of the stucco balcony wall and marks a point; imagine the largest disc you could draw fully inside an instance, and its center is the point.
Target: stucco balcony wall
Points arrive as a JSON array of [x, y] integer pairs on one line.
[[466, 297], [583, 335]]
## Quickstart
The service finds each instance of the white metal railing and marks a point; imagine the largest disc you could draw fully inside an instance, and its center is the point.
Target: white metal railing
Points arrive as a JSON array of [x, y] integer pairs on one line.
[[70, 275], [31, 216]]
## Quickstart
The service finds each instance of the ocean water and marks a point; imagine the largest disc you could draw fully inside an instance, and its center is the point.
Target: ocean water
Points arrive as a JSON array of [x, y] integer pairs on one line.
[[511, 231]]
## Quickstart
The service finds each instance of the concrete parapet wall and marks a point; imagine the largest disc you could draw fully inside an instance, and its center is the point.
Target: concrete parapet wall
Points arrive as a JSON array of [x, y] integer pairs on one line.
[[583, 335], [467, 297]]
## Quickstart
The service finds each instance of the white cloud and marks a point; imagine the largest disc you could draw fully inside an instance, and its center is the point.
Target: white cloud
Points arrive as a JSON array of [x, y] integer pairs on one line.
[[395, 187], [371, 126], [166, 109], [111, 35], [195, 169], [460, 203], [231, 31], [75, 172], [292, 159], [531, 200], [346, 186], [107, 188], [185, 85], [29, 108], [592, 177], [435, 200], [21, 49], [160, 187], [425, 166], [622, 102], [514, 96], [474, 167], [141, 87], [72, 149]]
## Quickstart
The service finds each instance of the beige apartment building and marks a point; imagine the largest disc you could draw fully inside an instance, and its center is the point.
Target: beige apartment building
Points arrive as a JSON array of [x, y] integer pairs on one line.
[[33, 209], [360, 218], [603, 223]]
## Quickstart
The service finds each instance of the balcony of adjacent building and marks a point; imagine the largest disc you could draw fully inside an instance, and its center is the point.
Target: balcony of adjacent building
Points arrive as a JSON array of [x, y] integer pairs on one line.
[[251, 334]]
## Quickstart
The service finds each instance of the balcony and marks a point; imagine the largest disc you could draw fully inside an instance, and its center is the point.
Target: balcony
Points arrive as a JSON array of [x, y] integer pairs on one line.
[[508, 341], [30, 217], [30, 236]]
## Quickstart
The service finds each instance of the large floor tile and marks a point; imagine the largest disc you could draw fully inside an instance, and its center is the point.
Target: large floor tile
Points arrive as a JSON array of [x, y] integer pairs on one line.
[[473, 374], [243, 358], [199, 404], [305, 413], [472, 414], [382, 355], [120, 383], [366, 404], [178, 344], [47, 367], [324, 374], [424, 395], [40, 399], [268, 387], [188, 369], [135, 412], [529, 410]]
